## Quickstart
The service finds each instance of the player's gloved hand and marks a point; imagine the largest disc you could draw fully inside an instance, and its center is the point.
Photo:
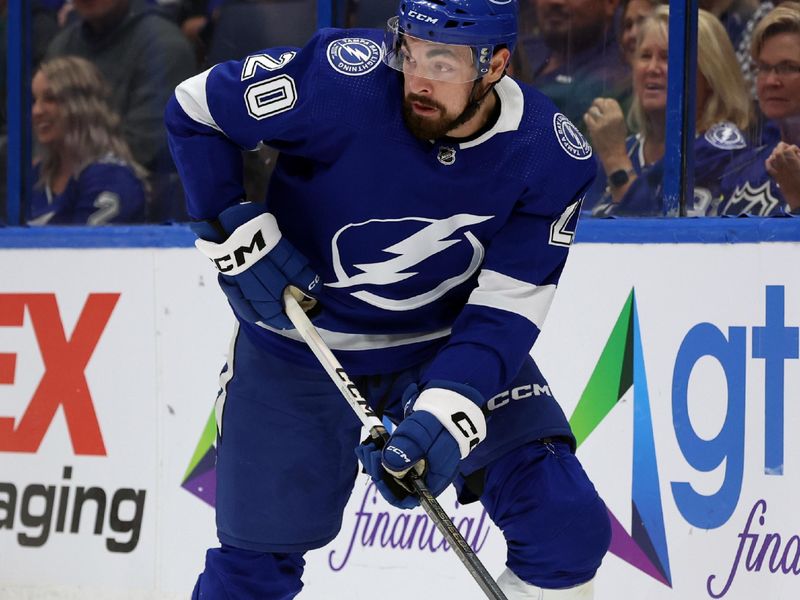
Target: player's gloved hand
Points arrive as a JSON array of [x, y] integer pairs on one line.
[[255, 263], [442, 424]]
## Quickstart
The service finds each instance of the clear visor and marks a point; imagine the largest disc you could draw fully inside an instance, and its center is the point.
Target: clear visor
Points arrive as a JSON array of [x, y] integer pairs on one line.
[[416, 57]]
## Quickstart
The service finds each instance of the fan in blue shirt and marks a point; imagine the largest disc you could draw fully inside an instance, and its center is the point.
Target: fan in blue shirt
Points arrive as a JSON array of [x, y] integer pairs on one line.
[[84, 172], [766, 181], [634, 168]]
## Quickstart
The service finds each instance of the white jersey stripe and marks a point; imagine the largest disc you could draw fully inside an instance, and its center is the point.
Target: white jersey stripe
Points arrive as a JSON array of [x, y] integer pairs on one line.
[[191, 95], [224, 379], [496, 290], [512, 105], [336, 340]]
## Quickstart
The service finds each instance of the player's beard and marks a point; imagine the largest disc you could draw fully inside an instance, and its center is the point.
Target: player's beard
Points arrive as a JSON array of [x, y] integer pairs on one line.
[[433, 128]]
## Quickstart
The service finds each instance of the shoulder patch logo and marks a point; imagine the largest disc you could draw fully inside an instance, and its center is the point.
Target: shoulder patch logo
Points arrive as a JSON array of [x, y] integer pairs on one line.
[[353, 56], [570, 138], [725, 136]]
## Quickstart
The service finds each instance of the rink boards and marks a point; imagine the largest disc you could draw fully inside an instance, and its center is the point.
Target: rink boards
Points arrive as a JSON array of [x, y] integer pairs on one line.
[[677, 362]]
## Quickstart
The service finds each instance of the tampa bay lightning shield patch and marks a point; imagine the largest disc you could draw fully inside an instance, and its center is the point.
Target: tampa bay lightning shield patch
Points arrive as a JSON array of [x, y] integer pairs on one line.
[[354, 56], [725, 136], [570, 138]]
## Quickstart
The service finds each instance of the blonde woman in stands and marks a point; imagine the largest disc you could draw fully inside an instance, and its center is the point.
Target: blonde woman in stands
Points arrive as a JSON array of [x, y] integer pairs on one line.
[[84, 173], [634, 166]]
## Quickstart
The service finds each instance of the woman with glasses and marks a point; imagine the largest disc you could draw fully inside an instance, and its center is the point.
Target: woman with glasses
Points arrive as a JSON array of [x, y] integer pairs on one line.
[[766, 180]]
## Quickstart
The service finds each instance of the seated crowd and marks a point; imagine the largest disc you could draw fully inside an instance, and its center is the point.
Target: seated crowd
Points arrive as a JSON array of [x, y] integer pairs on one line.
[[104, 70], [633, 167], [739, 169]]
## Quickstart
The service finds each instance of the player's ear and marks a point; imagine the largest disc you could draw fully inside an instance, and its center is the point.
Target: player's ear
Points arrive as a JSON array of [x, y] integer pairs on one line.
[[498, 65]]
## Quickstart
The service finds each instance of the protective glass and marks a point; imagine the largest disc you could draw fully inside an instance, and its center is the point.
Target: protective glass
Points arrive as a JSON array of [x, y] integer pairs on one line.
[[412, 56]]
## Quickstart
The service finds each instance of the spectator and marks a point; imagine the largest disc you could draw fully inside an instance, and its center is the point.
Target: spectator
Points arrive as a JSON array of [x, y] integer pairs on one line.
[[169, 8], [44, 26], [633, 13], [196, 20], [634, 167], [221, 30], [84, 170], [766, 180], [574, 58], [242, 27], [143, 56]]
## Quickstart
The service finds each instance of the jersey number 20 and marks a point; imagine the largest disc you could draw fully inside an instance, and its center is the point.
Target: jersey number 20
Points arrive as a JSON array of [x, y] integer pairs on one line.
[[271, 97]]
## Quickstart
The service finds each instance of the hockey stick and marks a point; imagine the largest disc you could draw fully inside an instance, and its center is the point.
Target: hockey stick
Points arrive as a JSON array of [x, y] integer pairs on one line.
[[378, 433]]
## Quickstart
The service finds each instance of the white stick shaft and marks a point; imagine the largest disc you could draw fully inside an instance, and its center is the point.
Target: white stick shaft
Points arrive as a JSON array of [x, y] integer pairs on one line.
[[329, 362], [376, 429]]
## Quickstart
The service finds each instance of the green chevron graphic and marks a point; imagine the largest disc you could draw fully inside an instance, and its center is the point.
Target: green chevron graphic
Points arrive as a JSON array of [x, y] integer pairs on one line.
[[620, 367]]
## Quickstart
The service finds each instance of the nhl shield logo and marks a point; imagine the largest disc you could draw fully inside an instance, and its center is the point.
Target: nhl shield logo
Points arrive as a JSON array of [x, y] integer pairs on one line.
[[447, 155]]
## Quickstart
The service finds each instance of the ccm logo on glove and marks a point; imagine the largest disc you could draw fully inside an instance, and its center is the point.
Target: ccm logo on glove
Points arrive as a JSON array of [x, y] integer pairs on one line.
[[245, 246], [459, 420], [255, 262], [400, 453]]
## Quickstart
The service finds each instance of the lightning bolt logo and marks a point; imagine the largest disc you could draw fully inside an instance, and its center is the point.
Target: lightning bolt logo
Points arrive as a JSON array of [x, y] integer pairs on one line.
[[725, 136], [358, 53], [429, 241]]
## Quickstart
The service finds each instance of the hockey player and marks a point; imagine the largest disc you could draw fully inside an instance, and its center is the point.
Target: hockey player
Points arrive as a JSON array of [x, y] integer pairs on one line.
[[428, 202]]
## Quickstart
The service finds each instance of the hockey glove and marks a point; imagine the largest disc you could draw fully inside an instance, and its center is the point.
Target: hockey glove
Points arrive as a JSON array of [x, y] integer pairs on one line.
[[255, 263], [442, 425]]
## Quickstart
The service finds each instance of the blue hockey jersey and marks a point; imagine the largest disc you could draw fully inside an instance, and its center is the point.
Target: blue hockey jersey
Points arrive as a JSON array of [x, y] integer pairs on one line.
[[634, 148], [714, 152], [445, 251], [104, 192], [748, 189]]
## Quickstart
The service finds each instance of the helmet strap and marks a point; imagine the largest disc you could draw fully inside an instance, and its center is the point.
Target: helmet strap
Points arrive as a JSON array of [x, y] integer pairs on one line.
[[474, 103]]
